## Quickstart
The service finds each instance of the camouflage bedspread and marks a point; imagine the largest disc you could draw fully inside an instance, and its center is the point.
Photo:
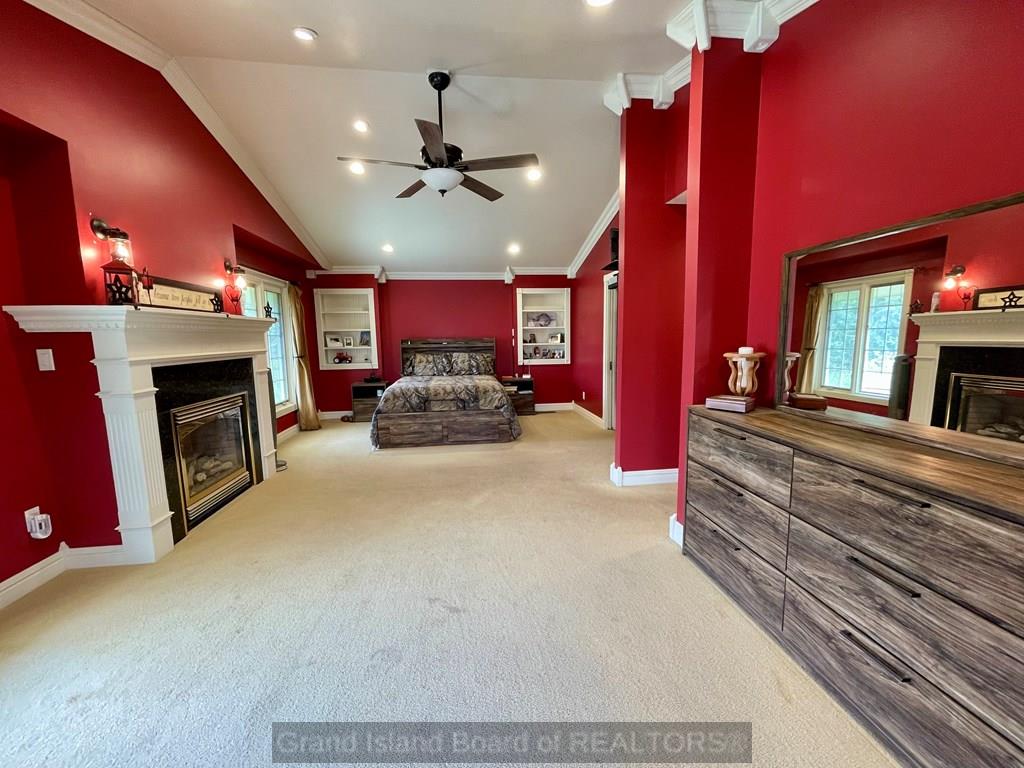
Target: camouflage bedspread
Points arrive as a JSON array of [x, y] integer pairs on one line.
[[422, 394]]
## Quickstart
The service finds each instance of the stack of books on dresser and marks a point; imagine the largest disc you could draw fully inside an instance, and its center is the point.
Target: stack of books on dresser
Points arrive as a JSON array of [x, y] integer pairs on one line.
[[734, 403]]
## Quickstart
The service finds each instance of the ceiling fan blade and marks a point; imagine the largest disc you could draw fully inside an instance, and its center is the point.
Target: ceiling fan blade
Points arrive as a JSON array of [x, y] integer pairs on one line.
[[432, 140], [498, 163], [412, 190], [381, 162], [473, 185]]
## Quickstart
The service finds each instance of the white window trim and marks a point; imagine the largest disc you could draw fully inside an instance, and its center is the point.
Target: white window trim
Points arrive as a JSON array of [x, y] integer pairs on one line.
[[865, 284], [261, 281]]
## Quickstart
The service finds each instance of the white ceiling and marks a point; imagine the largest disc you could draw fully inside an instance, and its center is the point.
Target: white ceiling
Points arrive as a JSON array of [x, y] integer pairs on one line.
[[529, 76]]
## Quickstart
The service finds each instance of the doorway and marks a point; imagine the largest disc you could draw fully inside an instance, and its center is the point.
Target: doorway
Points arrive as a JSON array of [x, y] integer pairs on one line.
[[611, 329]]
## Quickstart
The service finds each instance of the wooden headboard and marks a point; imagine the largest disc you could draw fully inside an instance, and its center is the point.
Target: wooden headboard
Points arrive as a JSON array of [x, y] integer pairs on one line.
[[428, 346]]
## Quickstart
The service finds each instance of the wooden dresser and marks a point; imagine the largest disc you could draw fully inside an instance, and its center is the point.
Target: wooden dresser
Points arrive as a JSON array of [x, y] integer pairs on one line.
[[892, 571]]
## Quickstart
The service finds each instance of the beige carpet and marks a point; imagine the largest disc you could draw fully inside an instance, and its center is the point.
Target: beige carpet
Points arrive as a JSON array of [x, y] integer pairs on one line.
[[506, 582]]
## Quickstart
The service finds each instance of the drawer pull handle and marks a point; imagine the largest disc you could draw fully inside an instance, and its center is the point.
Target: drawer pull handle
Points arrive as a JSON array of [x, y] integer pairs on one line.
[[719, 533], [727, 433], [882, 577], [892, 494], [898, 674], [734, 492]]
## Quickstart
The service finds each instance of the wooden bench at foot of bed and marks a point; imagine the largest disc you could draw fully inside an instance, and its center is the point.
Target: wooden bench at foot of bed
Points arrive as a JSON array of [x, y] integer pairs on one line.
[[406, 430]]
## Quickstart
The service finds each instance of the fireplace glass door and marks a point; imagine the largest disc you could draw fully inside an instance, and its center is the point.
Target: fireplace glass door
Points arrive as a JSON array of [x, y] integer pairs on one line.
[[212, 449], [991, 406]]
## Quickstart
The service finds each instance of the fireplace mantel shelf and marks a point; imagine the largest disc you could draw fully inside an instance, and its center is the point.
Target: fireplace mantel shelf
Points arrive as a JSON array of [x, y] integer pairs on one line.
[[987, 326], [70, 318]]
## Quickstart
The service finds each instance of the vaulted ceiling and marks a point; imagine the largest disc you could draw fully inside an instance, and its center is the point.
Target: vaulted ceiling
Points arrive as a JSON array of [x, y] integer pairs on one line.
[[529, 76]]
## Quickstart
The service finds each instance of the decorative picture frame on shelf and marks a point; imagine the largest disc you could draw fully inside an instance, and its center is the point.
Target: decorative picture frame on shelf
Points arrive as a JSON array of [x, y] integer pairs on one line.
[[174, 294], [347, 341], [555, 338], [364, 338], [1004, 297]]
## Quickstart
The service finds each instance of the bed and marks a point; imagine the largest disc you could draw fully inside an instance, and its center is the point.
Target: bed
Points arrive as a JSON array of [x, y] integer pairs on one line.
[[448, 394]]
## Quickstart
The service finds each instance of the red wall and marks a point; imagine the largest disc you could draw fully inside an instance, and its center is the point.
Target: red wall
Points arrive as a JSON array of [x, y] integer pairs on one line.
[[652, 237], [878, 112], [121, 145], [588, 325]]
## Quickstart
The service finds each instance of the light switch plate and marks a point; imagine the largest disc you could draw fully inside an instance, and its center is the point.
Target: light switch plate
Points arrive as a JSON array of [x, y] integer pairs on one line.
[[45, 359]]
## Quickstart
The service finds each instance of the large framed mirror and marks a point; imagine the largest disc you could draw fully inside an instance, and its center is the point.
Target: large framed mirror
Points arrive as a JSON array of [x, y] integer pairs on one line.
[[921, 322]]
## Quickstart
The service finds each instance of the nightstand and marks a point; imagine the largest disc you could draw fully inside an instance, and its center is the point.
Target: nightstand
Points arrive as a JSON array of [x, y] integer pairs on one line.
[[522, 398], [365, 398]]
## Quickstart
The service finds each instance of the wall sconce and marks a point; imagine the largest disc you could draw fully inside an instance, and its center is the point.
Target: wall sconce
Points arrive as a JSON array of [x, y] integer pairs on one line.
[[234, 284], [119, 276], [955, 280]]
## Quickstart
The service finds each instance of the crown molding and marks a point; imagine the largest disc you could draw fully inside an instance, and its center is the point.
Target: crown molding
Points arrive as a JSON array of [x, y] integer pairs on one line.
[[538, 271], [363, 269], [106, 29], [446, 275], [598, 229], [755, 23], [99, 25]]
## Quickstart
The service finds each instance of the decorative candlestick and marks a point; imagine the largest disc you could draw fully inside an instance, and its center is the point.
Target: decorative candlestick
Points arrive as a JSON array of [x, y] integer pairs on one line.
[[791, 360], [743, 375]]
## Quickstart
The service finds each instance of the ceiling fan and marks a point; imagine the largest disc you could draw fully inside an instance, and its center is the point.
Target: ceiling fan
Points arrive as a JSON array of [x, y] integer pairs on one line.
[[443, 167]]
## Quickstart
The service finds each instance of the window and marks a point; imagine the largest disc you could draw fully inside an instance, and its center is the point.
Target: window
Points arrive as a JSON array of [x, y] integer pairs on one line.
[[260, 292], [864, 325]]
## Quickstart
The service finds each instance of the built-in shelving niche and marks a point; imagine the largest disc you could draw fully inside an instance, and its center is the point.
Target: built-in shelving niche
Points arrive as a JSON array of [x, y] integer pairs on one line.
[[346, 325], [543, 333]]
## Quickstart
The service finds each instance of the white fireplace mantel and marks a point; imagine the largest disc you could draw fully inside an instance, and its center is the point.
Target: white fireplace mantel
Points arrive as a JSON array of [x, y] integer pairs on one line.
[[128, 344], [977, 328]]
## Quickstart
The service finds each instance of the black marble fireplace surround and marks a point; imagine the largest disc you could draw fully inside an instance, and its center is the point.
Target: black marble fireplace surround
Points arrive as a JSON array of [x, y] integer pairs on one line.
[[180, 385], [991, 361]]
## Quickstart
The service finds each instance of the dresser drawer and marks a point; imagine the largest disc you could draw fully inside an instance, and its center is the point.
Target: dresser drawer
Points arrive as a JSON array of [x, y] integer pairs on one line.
[[971, 659], [973, 558], [751, 582], [757, 524], [759, 465], [922, 725]]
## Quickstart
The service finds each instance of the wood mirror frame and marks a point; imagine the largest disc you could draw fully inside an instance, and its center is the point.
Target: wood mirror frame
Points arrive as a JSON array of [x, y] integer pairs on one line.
[[790, 259]]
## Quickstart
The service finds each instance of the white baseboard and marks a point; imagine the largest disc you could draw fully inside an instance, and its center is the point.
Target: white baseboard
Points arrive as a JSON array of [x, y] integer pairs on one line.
[[551, 407], [591, 417], [64, 559], [676, 530], [642, 476], [333, 414], [287, 434]]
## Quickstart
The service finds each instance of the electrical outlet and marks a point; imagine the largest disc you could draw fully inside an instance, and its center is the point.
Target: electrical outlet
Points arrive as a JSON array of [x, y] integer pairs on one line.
[[30, 513], [44, 357]]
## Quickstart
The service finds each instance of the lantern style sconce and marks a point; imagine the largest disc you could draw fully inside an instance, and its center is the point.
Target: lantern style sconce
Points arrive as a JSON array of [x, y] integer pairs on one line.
[[955, 280], [234, 284], [119, 276]]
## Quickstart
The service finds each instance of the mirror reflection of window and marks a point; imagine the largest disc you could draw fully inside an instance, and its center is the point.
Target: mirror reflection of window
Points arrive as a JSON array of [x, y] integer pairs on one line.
[[864, 329]]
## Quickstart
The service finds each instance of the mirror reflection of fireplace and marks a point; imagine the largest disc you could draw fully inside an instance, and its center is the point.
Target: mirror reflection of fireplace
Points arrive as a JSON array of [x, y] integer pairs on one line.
[[212, 449], [991, 406]]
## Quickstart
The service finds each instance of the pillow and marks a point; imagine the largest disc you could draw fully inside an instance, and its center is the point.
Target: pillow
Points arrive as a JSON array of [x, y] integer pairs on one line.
[[428, 364], [472, 364]]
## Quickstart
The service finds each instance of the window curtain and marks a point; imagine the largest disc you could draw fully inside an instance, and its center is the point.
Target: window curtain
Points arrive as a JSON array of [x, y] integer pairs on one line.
[[809, 344], [308, 418]]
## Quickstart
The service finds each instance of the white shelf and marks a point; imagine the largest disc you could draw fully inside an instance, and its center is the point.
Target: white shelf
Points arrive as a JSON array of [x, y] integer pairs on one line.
[[553, 302], [346, 306]]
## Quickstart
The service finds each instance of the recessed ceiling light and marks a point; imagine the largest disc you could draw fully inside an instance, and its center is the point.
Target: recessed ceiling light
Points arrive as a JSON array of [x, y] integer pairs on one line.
[[598, 3], [534, 174], [388, 248], [514, 249], [357, 168], [307, 35], [361, 125]]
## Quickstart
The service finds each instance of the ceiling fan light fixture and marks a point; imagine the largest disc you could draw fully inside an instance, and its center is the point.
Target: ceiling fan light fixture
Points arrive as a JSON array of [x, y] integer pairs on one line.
[[442, 179], [534, 174], [305, 34], [357, 168]]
